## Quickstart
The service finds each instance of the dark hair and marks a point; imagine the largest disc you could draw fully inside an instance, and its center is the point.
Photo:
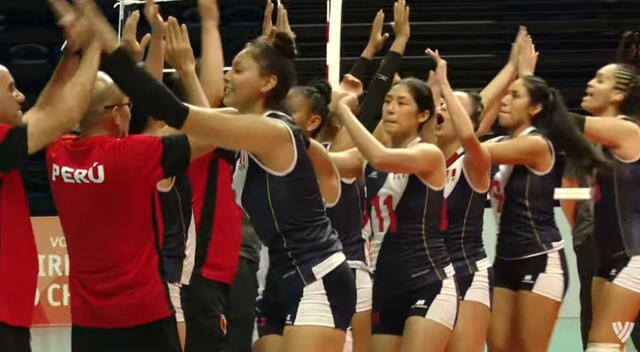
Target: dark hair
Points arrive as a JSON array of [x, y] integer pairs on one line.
[[276, 58], [628, 80], [421, 93], [318, 96], [477, 108], [553, 121]]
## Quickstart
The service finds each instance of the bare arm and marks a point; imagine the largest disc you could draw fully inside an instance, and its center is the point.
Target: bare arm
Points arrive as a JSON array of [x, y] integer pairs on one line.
[[154, 62], [350, 163], [56, 114], [620, 136], [478, 160], [326, 172], [419, 159], [64, 72], [180, 56], [532, 151], [212, 62]]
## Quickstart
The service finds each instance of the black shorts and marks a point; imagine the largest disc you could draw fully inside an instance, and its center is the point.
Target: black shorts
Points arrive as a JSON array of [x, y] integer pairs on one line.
[[271, 312], [204, 303], [545, 274], [158, 336], [14, 339], [621, 271], [437, 301], [476, 287]]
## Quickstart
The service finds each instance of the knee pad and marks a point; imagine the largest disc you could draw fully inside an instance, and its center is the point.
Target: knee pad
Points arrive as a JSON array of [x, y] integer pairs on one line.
[[603, 347]]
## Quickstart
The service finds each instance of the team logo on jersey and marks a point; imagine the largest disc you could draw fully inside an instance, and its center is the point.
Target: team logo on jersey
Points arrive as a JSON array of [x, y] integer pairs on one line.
[[623, 331], [373, 174], [94, 174]]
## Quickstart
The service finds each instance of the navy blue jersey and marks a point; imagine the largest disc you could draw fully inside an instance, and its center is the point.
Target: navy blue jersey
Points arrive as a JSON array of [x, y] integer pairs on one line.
[[178, 226], [523, 201], [617, 209], [347, 218], [409, 249], [288, 212], [465, 217]]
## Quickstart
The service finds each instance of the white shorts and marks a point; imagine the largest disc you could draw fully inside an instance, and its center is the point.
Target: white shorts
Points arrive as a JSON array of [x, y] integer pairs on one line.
[[629, 276], [476, 287], [174, 294], [364, 290]]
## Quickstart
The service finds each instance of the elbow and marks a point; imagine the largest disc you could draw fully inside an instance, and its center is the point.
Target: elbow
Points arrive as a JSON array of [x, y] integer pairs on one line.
[[381, 161]]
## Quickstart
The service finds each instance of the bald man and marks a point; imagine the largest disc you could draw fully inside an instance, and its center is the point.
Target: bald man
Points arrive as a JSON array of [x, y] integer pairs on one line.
[[20, 136], [103, 184]]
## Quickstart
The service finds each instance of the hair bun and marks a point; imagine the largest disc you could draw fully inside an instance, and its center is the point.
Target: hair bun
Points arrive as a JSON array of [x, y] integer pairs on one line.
[[285, 45], [324, 89]]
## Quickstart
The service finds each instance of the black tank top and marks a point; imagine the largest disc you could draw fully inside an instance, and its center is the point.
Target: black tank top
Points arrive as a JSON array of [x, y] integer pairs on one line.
[[523, 200], [347, 218], [405, 214], [288, 212], [617, 208], [465, 214], [176, 217]]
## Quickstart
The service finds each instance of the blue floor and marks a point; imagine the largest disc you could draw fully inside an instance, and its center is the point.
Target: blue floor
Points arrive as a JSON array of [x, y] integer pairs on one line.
[[566, 338]]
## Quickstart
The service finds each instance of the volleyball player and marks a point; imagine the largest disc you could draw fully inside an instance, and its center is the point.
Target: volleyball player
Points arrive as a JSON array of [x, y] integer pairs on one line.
[[615, 92], [468, 179], [414, 295], [21, 135], [530, 269]]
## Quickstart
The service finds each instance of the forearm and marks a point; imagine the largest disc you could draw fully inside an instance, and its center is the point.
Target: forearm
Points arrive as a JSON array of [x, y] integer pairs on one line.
[[212, 64], [194, 92], [63, 73], [50, 119], [154, 62], [367, 144]]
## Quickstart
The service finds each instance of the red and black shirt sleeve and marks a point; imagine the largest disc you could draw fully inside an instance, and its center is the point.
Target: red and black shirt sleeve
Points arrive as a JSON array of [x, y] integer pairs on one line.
[[13, 147], [176, 155]]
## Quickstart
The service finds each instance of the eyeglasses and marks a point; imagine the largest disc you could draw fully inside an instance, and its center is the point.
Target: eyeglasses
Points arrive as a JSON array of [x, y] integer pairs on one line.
[[113, 106]]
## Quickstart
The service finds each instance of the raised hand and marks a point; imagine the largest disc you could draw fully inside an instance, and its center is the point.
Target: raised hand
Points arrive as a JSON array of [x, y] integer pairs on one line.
[[268, 30], [129, 42], [103, 30], [527, 57], [439, 76], [515, 46], [401, 25], [376, 38], [351, 85], [209, 12], [77, 30], [282, 22], [152, 14], [179, 53]]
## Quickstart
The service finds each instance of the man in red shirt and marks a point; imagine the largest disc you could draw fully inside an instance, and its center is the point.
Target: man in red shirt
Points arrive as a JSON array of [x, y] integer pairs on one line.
[[103, 185], [20, 136]]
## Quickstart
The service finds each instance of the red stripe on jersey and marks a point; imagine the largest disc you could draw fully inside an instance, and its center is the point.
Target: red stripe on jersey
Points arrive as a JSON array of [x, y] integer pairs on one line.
[[219, 261]]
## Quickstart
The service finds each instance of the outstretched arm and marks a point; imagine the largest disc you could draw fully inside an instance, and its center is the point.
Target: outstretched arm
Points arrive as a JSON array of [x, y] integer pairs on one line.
[[57, 113], [478, 160], [212, 62]]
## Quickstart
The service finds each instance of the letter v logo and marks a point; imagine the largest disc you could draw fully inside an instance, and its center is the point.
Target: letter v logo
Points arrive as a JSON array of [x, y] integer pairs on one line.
[[623, 331]]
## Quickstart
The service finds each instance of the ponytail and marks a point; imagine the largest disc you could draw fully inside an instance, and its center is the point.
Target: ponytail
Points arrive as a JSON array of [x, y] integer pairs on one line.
[[553, 121]]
